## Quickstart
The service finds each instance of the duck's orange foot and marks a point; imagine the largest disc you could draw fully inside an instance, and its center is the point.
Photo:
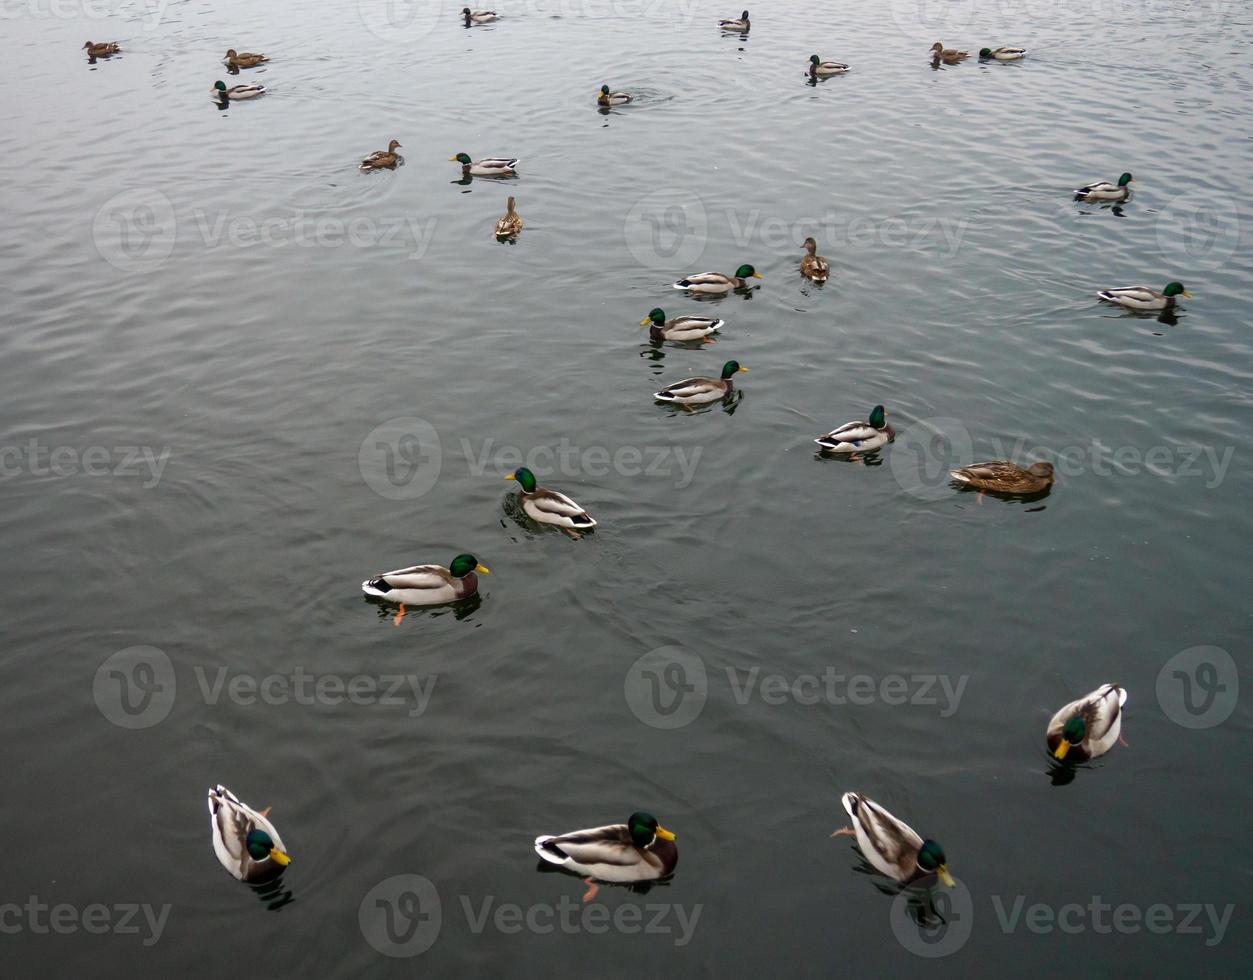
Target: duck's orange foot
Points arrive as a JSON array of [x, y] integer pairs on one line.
[[1123, 742], [849, 831], [399, 615], [266, 811], [592, 889]]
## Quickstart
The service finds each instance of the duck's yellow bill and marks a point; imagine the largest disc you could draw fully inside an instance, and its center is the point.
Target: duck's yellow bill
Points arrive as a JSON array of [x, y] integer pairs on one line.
[[452, 159], [279, 857], [482, 569], [663, 833], [510, 476], [945, 877], [646, 321], [1187, 294], [1062, 748], [744, 370], [756, 275]]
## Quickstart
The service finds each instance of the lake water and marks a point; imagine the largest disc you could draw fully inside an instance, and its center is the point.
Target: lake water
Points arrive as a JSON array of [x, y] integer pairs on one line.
[[239, 377]]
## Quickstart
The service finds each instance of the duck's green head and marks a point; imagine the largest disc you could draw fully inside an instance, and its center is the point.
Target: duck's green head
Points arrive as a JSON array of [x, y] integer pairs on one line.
[[463, 159], [604, 90], [747, 272], [645, 829], [525, 478], [466, 11], [656, 315], [261, 846], [878, 417], [931, 858], [1073, 732], [814, 60], [463, 565], [730, 368], [1126, 179], [220, 86], [985, 52], [1175, 289]]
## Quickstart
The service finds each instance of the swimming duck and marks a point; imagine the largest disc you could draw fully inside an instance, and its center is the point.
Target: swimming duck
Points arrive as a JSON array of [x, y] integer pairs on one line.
[[1103, 190], [680, 328], [427, 585], [549, 506], [510, 223], [814, 266], [1002, 476], [1003, 54], [892, 846], [638, 850], [382, 158], [821, 69], [605, 97], [713, 283], [478, 16], [855, 437], [247, 59], [1143, 298], [736, 26], [949, 55], [101, 50], [1089, 727], [701, 391], [487, 167], [244, 840], [237, 92]]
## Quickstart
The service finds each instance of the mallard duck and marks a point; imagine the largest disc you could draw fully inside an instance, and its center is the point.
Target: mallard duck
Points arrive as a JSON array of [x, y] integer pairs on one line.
[[510, 223], [813, 265], [701, 391], [101, 50], [244, 840], [736, 26], [1003, 54], [680, 328], [1089, 727], [1103, 190], [487, 167], [638, 850], [246, 59], [549, 506], [1002, 476], [427, 585], [863, 437], [940, 53], [478, 16], [237, 92], [715, 282], [892, 846], [381, 159], [1143, 298], [821, 69], [605, 97]]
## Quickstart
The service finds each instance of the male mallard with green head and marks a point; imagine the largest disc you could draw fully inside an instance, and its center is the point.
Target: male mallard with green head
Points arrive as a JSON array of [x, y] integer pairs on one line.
[[1143, 298], [892, 846], [236, 93], [822, 69], [680, 329], [487, 167], [701, 391], [714, 283], [550, 506], [1003, 54], [863, 437], [606, 97], [623, 853], [427, 585], [1089, 727], [244, 840], [1103, 190]]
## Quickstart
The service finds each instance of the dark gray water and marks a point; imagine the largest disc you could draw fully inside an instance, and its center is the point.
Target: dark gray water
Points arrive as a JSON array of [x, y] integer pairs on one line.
[[239, 377]]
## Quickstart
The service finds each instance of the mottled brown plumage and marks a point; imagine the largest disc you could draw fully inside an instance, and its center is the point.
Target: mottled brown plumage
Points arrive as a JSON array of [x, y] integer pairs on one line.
[[1002, 476], [510, 223]]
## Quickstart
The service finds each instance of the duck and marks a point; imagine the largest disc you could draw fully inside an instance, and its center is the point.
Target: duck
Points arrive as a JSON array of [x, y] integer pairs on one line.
[[734, 25], [380, 159], [478, 16], [714, 283], [680, 328], [821, 69], [891, 845], [1087, 728], [854, 437], [101, 50], [636, 851], [244, 840], [1003, 54], [940, 53], [605, 97], [427, 585], [1103, 190], [1002, 476], [246, 59], [701, 391], [549, 506], [487, 167], [510, 223], [1143, 298], [813, 265], [237, 92]]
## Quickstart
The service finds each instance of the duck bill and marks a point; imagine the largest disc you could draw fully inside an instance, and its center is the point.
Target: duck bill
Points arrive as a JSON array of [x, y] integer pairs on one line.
[[756, 275], [945, 877], [482, 569], [1062, 748], [452, 159], [645, 322], [664, 834], [510, 476], [1187, 294], [280, 857], [743, 370]]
